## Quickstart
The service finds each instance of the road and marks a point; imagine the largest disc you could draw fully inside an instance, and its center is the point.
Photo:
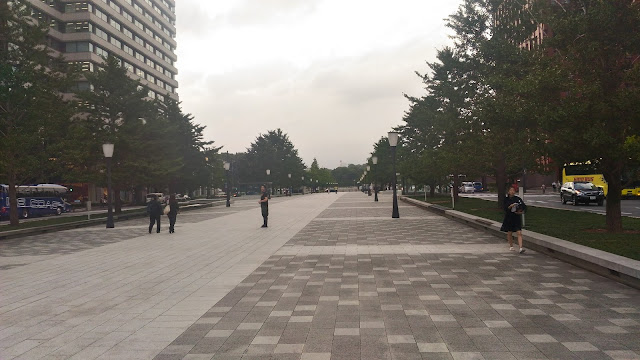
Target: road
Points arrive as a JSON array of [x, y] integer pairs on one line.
[[630, 208]]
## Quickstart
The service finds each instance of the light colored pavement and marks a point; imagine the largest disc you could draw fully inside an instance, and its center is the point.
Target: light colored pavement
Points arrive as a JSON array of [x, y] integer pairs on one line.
[[130, 298], [333, 278]]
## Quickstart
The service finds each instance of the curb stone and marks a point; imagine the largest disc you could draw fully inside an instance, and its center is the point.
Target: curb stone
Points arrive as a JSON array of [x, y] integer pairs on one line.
[[615, 267]]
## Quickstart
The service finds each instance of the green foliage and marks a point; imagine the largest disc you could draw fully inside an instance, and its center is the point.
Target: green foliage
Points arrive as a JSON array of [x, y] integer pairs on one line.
[[273, 151], [592, 69], [348, 175], [32, 109], [323, 176]]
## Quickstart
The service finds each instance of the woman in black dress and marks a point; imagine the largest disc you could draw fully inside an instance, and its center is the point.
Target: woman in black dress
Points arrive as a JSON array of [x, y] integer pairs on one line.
[[514, 207], [173, 213]]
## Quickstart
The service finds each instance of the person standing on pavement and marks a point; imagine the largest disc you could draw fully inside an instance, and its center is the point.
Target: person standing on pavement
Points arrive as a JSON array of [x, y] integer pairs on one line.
[[264, 204], [514, 207], [154, 209], [173, 212]]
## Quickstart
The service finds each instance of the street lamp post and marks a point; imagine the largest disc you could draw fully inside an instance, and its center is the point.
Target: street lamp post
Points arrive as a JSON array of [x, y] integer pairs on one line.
[[311, 185], [107, 150], [227, 167], [374, 160], [290, 185], [302, 185], [393, 142], [269, 173]]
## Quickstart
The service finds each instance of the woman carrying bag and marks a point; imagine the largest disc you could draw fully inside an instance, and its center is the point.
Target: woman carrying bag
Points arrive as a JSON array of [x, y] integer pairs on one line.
[[514, 207], [171, 210]]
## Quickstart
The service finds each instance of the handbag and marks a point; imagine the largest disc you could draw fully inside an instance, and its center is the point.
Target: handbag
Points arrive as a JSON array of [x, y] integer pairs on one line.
[[167, 209]]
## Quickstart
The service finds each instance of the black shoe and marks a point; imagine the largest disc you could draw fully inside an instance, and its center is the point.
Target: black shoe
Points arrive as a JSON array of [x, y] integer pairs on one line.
[[264, 226], [149, 231]]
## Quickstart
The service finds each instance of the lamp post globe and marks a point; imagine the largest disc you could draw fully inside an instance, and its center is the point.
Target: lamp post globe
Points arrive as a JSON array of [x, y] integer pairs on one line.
[[393, 142], [107, 151]]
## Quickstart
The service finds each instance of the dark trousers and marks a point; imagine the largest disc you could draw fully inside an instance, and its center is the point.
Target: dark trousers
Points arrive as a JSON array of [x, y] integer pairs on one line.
[[153, 219], [172, 222], [265, 214]]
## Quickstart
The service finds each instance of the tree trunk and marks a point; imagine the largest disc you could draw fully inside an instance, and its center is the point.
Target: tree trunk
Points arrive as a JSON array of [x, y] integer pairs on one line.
[[501, 178], [116, 200], [432, 189], [456, 185], [613, 176], [13, 199], [484, 183]]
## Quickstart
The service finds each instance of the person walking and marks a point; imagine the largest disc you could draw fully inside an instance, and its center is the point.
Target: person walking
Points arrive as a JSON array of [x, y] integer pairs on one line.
[[553, 184], [264, 204], [173, 212], [514, 207], [154, 209]]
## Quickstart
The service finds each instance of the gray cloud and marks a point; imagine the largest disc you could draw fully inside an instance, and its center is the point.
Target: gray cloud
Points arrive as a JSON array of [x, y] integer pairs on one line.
[[334, 107]]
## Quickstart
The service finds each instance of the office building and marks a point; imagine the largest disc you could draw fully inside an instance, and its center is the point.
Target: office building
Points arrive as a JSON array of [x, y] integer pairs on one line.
[[141, 33]]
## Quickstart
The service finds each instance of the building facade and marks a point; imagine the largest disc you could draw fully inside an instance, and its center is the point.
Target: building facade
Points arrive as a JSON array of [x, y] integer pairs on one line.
[[141, 33]]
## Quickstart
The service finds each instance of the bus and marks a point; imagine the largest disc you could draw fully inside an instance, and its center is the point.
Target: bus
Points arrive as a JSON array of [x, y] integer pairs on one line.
[[584, 172], [35, 200]]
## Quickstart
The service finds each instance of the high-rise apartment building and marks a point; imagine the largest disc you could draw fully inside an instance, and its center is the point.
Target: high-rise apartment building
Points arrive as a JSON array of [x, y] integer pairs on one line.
[[141, 33]]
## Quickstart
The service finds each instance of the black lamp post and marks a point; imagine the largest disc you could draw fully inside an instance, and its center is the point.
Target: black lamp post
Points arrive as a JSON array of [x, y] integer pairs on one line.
[[290, 185], [393, 142], [107, 150], [227, 167], [302, 185], [374, 160]]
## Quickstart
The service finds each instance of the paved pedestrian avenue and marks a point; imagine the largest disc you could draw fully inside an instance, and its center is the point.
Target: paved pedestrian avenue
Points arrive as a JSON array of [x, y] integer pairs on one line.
[[333, 277]]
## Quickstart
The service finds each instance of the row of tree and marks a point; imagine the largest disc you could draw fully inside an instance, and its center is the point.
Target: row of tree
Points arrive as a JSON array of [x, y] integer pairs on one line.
[[499, 101], [47, 135]]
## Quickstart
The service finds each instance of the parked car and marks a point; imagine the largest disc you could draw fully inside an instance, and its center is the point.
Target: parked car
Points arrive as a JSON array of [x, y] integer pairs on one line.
[[467, 187], [159, 195], [581, 192], [180, 197], [631, 190], [477, 186]]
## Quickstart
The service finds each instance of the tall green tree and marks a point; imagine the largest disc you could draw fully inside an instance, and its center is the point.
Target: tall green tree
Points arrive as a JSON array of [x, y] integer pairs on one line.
[[117, 110], [274, 151], [488, 35], [593, 72], [33, 112], [197, 159]]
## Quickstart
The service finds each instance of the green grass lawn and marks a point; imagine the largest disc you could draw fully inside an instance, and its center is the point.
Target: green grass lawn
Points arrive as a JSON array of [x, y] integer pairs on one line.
[[578, 227]]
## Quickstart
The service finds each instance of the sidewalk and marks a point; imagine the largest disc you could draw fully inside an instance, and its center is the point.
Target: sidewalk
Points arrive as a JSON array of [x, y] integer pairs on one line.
[[334, 277]]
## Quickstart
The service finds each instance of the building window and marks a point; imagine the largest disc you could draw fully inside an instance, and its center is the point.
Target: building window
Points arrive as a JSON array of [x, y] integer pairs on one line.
[[78, 46], [128, 50], [101, 15], [76, 27], [127, 33], [101, 33], [127, 16], [115, 24], [101, 52], [115, 42]]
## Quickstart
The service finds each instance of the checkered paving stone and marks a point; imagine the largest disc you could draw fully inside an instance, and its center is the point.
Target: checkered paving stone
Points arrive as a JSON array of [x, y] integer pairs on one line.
[[91, 237], [368, 302]]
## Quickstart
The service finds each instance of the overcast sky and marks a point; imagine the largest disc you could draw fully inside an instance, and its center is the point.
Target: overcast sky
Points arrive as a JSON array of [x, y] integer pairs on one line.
[[330, 73]]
